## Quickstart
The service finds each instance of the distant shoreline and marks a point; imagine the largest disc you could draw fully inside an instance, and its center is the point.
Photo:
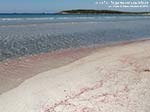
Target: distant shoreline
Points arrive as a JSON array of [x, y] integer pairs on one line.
[[92, 11], [78, 11]]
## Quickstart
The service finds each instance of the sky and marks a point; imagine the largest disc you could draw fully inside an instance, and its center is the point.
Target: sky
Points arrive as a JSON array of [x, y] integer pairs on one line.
[[24, 6]]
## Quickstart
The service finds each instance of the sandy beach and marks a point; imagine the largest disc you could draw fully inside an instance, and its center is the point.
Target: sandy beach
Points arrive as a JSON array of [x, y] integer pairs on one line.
[[114, 78], [14, 71]]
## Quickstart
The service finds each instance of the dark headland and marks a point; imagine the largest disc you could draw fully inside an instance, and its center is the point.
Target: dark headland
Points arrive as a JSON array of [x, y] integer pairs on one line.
[[92, 11]]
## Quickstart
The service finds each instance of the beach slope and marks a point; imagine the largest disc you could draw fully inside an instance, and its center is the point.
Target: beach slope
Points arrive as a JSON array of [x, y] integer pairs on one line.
[[112, 79]]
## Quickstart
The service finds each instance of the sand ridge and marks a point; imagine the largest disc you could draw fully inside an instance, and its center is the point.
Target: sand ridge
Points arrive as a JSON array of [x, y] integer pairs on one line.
[[112, 79]]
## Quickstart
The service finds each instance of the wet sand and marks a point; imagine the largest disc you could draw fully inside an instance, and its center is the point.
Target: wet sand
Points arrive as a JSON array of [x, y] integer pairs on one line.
[[114, 78], [15, 71]]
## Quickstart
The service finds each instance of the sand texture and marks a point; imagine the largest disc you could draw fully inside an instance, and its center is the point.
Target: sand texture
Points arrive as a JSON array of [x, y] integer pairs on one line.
[[112, 79], [14, 71]]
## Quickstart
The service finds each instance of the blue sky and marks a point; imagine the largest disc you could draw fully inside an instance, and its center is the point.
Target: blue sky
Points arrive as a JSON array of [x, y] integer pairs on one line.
[[56, 5]]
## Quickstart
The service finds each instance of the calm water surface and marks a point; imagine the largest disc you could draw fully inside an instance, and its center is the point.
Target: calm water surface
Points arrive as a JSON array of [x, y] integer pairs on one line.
[[26, 34]]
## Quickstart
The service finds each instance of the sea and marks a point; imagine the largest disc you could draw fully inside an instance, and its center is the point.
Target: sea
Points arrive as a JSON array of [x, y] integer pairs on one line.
[[28, 34]]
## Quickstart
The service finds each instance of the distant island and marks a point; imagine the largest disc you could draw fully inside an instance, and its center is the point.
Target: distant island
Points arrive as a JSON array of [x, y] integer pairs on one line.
[[92, 11]]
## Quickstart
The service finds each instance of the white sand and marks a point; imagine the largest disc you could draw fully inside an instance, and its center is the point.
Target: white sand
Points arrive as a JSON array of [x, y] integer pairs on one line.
[[115, 79], [15, 71]]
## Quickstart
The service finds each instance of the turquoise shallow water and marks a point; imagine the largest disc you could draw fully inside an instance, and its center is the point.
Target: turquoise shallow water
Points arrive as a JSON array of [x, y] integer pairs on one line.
[[26, 34]]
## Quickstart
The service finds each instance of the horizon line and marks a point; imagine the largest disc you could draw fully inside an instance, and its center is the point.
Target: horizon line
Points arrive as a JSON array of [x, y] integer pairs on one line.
[[64, 10]]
